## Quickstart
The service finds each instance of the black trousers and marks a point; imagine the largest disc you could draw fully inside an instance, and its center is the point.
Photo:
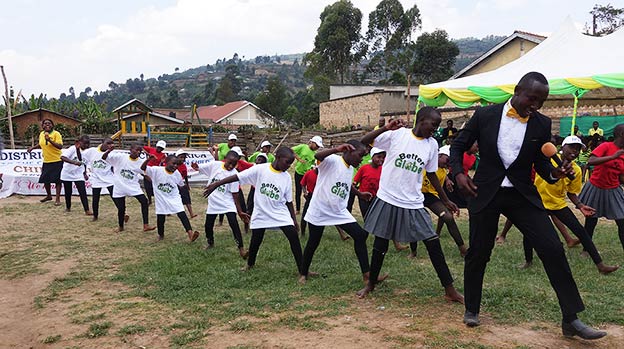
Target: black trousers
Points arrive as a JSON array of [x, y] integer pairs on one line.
[[232, 221], [121, 208], [257, 235], [303, 225], [250, 200], [96, 199], [533, 223], [590, 225], [567, 217], [364, 205], [380, 247], [160, 222], [298, 190], [358, 234], [82, 191], [436, 206], [149, 188]]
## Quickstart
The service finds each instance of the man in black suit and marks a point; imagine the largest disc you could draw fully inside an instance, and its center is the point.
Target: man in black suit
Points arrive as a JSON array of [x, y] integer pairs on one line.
[[510, 137]]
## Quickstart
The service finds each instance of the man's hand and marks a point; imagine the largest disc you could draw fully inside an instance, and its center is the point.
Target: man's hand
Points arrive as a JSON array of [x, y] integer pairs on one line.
[[465, 185], [452, 207], [345, 147], [209, 189], [366, 196], [394, 124], [244, 216], [587, 211]]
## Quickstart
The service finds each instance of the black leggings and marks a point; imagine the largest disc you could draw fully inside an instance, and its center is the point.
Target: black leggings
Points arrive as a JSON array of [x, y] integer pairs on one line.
[[257, 235], [590, 225], [82, 191], [121, 208], [364, 205], [231, 217], [96, 199], [358, 234], [304, 224], [298, 190], [380, 247], [160, 222], [250, 200]]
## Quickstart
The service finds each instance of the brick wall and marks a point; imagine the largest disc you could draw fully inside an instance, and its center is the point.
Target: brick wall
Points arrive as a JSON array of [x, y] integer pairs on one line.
[[363, 110]]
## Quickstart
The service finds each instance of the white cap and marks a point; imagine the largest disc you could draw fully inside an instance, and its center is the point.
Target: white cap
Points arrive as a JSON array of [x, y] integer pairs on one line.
[[375, 151], [180, 152], [263, 155], [161, 144], [318, 140], [572, 140], [237, 150], [232, 137], [445, 150], [266, 144]]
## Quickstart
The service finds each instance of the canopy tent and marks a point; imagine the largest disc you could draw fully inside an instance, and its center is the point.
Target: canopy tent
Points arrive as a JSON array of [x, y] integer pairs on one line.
[[574, 64]]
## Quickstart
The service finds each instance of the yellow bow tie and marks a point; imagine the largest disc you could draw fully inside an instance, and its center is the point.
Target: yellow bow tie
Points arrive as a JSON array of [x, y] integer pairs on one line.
[[512, 113]]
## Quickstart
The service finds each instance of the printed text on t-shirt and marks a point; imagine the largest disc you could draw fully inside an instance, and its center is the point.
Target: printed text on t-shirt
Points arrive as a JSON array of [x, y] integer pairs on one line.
[[410, 162], [270, 190]]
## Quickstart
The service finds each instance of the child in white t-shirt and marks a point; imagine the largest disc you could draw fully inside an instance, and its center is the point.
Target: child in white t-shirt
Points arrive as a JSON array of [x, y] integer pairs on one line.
[[102, 175], [398, 212], [127, 169], [74, 172], [165, 181], [273, 206], [328, 205], [224, 200]]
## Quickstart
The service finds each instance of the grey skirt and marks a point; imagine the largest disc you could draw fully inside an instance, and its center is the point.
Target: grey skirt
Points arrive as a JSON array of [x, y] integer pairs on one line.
[[609, 203], [399, 224]]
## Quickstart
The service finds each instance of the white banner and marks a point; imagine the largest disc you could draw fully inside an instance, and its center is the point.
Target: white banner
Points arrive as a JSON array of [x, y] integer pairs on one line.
[[20, 170]]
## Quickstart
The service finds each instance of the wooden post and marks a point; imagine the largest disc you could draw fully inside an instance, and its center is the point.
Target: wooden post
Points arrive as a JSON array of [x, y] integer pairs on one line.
[[7, 102], [409, 92]]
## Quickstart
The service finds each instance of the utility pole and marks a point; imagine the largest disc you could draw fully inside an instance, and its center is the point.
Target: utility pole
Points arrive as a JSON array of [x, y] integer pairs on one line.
[[7, 102]]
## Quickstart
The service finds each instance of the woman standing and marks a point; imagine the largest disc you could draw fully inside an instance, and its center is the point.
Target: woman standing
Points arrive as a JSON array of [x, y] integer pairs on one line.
[[50, 143]]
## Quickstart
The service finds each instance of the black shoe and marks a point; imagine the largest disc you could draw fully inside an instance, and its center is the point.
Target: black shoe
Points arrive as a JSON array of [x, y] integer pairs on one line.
[[578, 328], [471, 319]]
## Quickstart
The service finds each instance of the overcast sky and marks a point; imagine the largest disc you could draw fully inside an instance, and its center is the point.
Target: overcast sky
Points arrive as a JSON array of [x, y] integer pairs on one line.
[[48, 46]]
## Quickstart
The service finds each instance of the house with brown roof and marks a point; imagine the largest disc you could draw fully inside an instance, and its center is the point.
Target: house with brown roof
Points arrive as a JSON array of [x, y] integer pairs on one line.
[[34, 117], [233, 114]]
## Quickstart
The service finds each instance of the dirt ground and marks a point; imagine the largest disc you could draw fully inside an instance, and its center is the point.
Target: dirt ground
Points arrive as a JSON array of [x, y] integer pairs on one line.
[[61, 322]]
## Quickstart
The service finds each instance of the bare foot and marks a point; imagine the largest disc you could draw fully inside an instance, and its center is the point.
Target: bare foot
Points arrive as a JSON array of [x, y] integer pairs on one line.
[[148, 228], [380, 278], [45, 199], [243, 253], [302, 279], [400, 247], [573, 243], [412, 255], [67, 210], [160, 238], [118, 230], [606, 269], [193, 235], [313, 274], [526, 265], [500, 239], [193, 216], [365, 291], [344, 237], [94, 219], [208, 246], [126, 218], [451, 295], [88, 213], [246, 267], [584, 254]]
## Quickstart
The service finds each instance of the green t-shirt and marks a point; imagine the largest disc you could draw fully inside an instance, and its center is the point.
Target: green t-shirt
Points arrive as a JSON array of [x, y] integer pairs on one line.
[[253, 157], [223, 150], [304, 152]]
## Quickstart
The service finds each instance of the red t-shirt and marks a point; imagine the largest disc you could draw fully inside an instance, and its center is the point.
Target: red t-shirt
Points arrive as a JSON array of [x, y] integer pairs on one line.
[[183, 170], [368, 178], [309, 180], [160, 157], [469, 161], [243, 165], [607, 175]]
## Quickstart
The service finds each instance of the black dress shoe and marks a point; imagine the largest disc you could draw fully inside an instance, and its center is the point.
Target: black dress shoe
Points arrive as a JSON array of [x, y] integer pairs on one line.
[[471, 319], [578, 328]]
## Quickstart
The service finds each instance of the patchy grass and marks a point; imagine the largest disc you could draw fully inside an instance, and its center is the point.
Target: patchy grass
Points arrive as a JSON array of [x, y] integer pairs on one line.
[[98, 329], [51, 339]]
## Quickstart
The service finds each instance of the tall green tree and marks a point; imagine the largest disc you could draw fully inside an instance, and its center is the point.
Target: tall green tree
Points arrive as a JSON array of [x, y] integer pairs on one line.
[[390, 30], [173, 99], [435, 57], [605, 20], [338, 43], [274, 99]]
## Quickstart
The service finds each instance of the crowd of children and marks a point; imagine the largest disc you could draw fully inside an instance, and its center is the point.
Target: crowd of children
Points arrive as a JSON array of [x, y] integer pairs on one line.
[[406, 173]]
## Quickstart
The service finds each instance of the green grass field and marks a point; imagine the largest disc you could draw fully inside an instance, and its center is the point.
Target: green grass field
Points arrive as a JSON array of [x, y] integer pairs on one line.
[[121, 288]]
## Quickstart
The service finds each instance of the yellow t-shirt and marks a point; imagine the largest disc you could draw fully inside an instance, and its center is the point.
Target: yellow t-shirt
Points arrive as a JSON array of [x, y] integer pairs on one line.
[[554, 195], [50, 152], [427, 187], [599, 131]]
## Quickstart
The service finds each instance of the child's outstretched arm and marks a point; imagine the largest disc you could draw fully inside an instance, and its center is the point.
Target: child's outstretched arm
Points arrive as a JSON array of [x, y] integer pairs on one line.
[[291, 209], [210, 188], [433, 179], [243, 215], [391, 126], [322, 154]]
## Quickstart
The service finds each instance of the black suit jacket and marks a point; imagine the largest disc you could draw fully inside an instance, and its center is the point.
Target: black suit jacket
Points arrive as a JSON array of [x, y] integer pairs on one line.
[[483, 127]]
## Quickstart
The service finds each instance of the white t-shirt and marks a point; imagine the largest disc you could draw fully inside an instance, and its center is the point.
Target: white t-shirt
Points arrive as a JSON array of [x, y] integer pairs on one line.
[[402, 172], [127, 174], [166, 193], [220, 200], [101, 175], [273, 191], [71, 172], [331, 193]]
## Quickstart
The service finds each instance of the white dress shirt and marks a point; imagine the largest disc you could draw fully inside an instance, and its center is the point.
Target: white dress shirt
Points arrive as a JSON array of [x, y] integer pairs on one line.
[[510, 139]]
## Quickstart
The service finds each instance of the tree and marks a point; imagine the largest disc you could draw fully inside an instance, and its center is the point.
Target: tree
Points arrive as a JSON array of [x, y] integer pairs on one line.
[[435, 57], [390, 30], [173, 99], [112, 85], [225, 93], [153, 100], [274, 100], [605, 20], [177, 69], [338, 43]]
